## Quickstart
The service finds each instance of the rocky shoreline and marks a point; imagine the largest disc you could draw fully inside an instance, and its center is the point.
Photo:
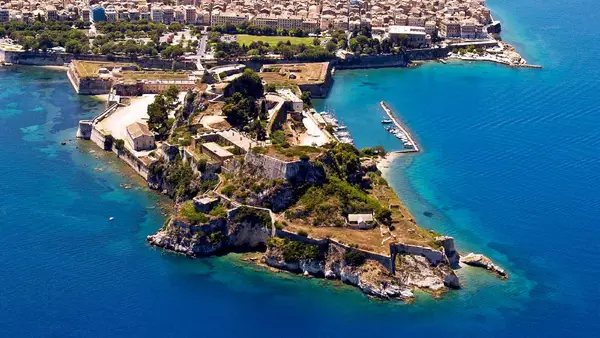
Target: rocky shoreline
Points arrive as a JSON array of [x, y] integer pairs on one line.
[[246, 230]]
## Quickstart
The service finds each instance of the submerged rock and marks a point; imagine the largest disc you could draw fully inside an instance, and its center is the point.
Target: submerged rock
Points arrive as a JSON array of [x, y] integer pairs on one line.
[[482, 261]]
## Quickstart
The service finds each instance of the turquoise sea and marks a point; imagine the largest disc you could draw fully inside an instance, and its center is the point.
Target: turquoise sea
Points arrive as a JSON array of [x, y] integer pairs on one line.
[[509, 167]]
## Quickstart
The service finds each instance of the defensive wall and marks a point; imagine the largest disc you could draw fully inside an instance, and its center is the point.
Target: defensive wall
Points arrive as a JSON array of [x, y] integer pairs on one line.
[[60, 59]]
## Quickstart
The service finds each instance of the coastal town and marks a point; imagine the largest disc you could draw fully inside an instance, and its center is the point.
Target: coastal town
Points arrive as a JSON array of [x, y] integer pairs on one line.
[[211, 103], [180, 29]]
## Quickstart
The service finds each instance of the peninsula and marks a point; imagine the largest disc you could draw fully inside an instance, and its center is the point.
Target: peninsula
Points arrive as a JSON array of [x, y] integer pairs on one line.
[[215, 110], [252, 167]]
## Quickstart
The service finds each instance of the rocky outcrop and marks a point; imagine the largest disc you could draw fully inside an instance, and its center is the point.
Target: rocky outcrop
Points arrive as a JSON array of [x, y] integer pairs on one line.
[[248, 229], [482, 261], [242, 230], [191, 240], [417, 271], [372, 277]]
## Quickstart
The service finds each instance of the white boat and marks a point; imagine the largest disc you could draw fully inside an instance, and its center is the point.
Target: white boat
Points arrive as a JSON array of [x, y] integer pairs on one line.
[[386, 121]]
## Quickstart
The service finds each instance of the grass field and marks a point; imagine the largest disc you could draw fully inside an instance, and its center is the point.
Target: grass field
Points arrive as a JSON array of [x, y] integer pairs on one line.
[[90, 68], [271, 40]]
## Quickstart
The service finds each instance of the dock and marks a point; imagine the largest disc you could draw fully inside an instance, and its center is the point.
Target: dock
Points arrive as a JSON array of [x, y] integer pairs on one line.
[[410, 140]]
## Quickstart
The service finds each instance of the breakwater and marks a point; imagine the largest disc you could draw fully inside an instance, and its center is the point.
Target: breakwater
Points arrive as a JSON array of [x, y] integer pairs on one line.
[[410, 142]]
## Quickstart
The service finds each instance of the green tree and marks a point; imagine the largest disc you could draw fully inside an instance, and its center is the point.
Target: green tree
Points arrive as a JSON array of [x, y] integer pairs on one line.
[[306, 98], [248, 84], [171, 94], [158, 116], [73, 46], [263, 114]]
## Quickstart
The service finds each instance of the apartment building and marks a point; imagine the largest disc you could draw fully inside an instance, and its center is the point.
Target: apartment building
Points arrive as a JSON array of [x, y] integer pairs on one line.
[[228, 17], [450, 29], [156, 14], [168, 15], [85, 15], [190, 14], [51, 13], [111, 15]]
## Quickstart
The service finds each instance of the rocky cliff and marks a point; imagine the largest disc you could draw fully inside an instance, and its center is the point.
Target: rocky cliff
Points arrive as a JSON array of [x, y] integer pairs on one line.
[[372, 277], [242, 230]]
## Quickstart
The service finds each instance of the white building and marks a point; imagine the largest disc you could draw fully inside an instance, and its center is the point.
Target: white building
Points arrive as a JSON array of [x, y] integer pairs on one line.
[[111, 15], [415, 35], [288, 95], [139, 136]]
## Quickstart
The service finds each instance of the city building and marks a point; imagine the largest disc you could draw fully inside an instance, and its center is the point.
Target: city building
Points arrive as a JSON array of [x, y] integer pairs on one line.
[[51, 13], [111, 15], [190, 15], [228, 18], [4, 15], [415, 35], [450, 29], [98, 14], [85, 14], [168, 15], [156, 14]]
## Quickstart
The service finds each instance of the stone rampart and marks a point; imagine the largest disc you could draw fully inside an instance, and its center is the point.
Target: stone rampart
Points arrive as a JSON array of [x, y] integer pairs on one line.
[[84, 130], [60, 59], [134, 162], [434, 257], [386, 261], [268, 166], [321, 243]]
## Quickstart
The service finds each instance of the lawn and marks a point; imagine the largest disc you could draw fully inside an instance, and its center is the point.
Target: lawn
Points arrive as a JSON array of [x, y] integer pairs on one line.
[[271, 40]]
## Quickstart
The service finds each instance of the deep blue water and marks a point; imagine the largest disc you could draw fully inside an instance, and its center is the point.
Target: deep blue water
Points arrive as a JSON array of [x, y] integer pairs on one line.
[[509, 167]]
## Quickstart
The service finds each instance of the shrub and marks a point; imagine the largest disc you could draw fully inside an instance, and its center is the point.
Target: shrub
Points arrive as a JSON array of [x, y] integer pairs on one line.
[[259, 150], [188, 211], [302, 233], [304, 157], [384, 215], [119, 144], [354, 257], [219, 211], [293, 251], [216, 237], [252, 215], [228, 190], [201, 165]]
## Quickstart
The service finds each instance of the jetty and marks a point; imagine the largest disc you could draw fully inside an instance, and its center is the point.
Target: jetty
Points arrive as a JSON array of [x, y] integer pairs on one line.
[[412, 145]]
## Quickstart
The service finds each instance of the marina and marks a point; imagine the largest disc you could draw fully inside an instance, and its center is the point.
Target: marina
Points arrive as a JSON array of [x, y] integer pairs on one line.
[[340, 131], [408, 143]]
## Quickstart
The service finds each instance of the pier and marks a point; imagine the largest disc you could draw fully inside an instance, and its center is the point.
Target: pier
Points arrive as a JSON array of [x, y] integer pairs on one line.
[[410, 141]]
